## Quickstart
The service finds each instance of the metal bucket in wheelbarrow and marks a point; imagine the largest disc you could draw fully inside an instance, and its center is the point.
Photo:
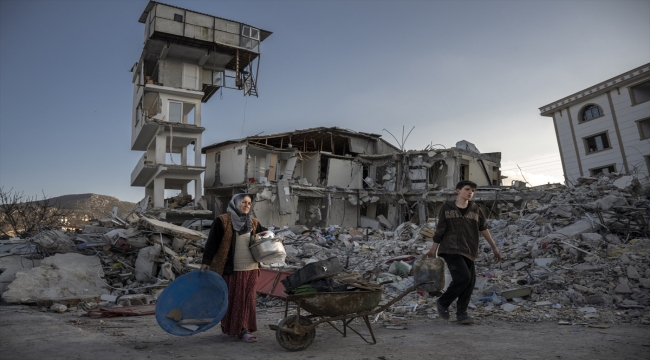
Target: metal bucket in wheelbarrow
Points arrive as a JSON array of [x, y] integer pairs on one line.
[[193, 303]]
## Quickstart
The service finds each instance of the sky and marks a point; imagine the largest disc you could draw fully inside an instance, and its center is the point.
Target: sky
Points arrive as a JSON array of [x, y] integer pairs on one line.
[[451, 70]]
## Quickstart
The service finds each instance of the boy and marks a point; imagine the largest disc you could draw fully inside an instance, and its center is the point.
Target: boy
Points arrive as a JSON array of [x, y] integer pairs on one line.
[[456, 241]]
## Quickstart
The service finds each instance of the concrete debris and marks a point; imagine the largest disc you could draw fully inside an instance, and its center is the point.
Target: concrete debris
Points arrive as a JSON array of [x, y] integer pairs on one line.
[[171, 229], [54, 241], [563, 257], [567, 251], [60, 308], [62, 277]]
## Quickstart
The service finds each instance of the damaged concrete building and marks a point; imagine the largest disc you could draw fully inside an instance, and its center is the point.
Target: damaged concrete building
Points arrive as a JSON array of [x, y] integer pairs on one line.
[[187, 56], [333, 176]]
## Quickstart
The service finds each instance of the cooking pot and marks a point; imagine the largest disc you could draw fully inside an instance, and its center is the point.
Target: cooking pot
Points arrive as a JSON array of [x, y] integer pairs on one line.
[[267, 249]]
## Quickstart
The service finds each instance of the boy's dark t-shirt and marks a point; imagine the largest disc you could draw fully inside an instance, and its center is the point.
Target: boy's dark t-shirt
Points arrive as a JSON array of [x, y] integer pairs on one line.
[[458, 229], [463, 211]]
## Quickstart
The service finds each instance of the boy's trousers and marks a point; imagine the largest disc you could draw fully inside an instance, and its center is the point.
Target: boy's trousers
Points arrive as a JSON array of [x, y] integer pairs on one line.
[[463, 275]]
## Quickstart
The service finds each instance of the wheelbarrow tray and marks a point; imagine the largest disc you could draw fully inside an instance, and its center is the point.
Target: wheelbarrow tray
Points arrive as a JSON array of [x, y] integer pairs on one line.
[[333, 304]]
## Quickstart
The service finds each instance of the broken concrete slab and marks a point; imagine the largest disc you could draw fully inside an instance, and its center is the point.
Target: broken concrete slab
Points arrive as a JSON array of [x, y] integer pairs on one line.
[[145, 266], [599, 299], [586, 268], [55, 241], [10, 265], [171, 229], [384, 222], [609, 202], [574, 230], [545, 262], [624, 181], [632, 273], [623, 289], [59, 277]]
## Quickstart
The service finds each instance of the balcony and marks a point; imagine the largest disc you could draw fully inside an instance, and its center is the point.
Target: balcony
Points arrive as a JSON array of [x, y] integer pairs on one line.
[[175, 176]]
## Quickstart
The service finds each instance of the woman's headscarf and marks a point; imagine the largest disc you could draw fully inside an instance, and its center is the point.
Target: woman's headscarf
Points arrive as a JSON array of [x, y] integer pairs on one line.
[[240, 222]]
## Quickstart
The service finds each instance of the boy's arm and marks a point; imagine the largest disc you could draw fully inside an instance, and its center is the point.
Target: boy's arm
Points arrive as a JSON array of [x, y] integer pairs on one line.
[[486, 234]]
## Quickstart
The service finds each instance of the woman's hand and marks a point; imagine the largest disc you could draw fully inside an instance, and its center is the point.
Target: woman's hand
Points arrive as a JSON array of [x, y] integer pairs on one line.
[[203, 267]]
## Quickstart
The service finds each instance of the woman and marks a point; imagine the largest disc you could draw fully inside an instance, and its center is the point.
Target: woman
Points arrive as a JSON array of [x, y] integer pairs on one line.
[[226, 252]]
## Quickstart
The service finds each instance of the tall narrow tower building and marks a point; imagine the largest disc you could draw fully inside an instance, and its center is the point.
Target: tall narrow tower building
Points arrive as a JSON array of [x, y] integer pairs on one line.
[[187, 56]]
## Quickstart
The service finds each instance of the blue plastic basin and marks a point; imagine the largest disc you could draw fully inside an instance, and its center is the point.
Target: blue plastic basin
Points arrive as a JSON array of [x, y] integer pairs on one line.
[[198, 295]]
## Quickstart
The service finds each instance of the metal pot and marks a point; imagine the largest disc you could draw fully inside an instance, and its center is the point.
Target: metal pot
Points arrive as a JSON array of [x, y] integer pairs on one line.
[[268, 250]]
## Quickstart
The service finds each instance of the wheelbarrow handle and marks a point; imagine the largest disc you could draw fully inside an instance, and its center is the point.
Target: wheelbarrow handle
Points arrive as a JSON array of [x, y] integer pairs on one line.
[[409, 290]]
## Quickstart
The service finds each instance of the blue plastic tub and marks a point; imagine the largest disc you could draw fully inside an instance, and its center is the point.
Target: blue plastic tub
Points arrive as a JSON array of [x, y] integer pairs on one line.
[[199, 296]]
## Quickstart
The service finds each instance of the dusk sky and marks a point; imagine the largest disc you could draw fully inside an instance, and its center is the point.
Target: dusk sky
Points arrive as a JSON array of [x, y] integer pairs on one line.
[[455, 70]]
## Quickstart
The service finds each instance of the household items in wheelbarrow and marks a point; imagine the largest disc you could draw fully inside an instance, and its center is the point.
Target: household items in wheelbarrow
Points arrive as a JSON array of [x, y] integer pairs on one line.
[[312, 272], [334, 281], [267, 249], [322, 285]]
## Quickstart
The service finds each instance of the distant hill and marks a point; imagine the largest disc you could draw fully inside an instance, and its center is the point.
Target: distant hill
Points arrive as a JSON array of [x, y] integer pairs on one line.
[[90, 206]]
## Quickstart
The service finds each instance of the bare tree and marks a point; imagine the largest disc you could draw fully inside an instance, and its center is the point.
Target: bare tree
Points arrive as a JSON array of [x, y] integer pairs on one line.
[[23, 216]]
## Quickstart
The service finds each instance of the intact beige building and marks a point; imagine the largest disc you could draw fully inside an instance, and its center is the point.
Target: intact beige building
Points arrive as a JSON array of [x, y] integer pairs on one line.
[[605, 127]]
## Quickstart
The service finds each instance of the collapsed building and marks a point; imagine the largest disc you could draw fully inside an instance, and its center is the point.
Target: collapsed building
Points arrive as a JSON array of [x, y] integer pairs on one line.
[[332, 176], [186, 57]]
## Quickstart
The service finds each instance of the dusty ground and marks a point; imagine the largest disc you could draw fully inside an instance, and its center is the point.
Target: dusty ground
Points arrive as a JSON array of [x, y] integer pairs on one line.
[[28, 333]]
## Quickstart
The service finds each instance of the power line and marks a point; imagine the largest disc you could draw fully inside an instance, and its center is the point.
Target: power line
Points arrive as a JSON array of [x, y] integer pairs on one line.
[[550, 157], [535, 168], [545, 168], [533, 165]]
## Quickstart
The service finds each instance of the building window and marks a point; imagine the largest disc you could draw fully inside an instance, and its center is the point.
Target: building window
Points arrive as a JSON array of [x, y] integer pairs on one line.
[[175, 111], [464, 170], [640, 93], [190, 76], [603, 170], [597, 143], [591, 112], [178, 17], [644, 128], [250, 32]]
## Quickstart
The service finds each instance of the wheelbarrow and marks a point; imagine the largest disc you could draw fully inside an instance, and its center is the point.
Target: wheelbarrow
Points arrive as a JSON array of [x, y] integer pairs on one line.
[[297, 332]]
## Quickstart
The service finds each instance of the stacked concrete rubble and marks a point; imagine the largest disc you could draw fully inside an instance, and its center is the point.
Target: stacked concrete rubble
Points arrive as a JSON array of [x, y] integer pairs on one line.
[[571, 255], [132, 263]]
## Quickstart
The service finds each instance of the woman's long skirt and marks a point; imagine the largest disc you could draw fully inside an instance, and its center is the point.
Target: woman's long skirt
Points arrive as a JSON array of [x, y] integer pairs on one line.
[[241, 312]]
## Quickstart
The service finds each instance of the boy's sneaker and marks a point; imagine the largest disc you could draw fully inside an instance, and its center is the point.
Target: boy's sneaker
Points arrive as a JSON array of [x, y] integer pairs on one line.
[[464, 319], [443, 311]]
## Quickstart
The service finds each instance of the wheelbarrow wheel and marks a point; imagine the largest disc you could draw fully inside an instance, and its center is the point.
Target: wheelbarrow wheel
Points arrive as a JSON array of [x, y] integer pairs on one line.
[[293, 342]]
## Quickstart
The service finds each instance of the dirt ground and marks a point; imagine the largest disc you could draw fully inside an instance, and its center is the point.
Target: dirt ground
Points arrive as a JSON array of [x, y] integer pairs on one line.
[[28, 333]]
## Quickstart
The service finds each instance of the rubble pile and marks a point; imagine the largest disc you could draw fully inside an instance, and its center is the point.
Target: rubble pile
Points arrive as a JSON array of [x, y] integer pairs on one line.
[[111, 257], [571, 255]]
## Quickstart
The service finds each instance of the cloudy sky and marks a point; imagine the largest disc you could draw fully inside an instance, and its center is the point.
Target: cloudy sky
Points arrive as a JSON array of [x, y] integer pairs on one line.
[[454, 70]]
